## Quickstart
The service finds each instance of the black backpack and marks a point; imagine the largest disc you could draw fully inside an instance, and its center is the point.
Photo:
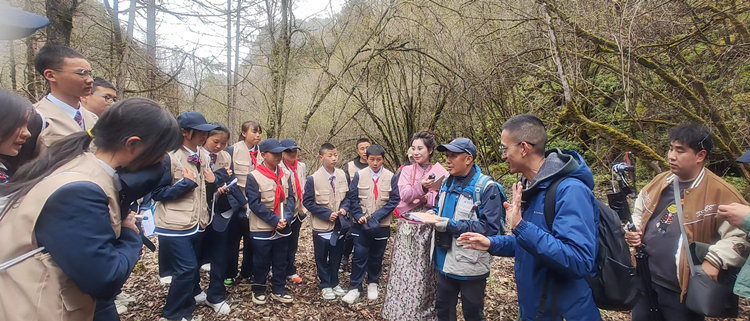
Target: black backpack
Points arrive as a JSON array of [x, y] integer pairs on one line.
[[614, 287]]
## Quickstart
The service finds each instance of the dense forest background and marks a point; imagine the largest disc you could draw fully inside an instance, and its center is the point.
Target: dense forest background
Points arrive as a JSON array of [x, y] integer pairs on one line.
[[606, 76]]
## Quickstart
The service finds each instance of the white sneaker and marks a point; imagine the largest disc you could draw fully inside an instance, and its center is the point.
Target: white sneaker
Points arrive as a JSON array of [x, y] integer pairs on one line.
[[372, 291], [167, 280], [165, 319], [200, 298], [328, 294], [206, 267], [338, 291], [221, 307], [121, 308], [351, 296]]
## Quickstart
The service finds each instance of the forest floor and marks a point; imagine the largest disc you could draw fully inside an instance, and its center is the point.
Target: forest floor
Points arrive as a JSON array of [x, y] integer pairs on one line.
[[143, 286]]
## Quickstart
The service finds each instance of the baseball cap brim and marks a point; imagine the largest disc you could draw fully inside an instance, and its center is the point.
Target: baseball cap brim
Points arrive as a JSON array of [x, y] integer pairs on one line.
[[277, 149], [745, 158], [204, 127], [448, 147], [16, 23], [221, 221]]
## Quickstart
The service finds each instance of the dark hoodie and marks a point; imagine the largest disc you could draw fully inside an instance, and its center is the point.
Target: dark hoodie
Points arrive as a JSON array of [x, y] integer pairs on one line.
[[565, 255]]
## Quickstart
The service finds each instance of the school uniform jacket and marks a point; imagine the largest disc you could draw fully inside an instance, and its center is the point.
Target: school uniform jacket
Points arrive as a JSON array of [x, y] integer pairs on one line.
[[181, 207], [74, 214], [234, 197], [261, 193], [321, 199], [379, 211], [59, 123]]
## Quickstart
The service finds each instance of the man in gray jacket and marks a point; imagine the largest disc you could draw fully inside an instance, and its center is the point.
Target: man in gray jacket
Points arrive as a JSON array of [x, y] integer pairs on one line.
[[469, 201]]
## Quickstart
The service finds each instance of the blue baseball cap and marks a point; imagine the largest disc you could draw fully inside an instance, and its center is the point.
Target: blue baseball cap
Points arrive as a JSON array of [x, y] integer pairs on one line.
[[16, 23], [745, 158], [271, 145], [459, 145], [194, 120], [289, 144]]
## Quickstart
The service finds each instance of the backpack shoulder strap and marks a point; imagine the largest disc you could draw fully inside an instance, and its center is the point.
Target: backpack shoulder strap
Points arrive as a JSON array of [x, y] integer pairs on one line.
[[549, 201], [481, 183]]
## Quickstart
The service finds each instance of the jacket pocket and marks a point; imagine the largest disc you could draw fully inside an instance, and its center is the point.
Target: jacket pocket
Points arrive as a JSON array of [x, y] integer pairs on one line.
[[322, 198], [267, 193], [465, 255], [241, 167]]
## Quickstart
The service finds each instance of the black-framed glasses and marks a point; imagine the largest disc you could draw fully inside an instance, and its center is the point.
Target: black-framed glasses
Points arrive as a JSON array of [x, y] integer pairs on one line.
[[503, 149], [107, 98], [81, 72]]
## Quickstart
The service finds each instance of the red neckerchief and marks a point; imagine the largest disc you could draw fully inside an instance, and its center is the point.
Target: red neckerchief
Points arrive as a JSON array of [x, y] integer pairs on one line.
[[279, 188], [375, 188], [254, 156], [293, 167]]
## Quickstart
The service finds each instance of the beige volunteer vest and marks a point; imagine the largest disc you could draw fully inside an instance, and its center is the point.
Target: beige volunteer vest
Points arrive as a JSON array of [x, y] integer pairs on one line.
[[243, 163], [223, 160], [367, 200], [191, 209], [267, 189], [301, 173], [60, 124], [324, 195], [36, 288]]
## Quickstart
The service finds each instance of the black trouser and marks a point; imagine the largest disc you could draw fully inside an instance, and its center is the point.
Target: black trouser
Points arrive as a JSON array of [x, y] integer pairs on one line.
[[369, 249], [239, 228], [213, 250], [293, 246], [106, 311], [269, 254], [472, 298], [348, 248], [327, 260], [180, 254], [669, 304]]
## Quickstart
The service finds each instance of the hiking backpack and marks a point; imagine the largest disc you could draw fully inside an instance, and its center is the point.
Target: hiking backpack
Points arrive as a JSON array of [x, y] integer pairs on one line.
[[614, 285]]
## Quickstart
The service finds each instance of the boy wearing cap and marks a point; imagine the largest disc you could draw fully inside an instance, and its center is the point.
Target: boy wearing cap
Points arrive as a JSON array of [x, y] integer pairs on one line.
[[181, 213], [468, 201], [271, 204], [325, 197], [297, 170], [373, 198]]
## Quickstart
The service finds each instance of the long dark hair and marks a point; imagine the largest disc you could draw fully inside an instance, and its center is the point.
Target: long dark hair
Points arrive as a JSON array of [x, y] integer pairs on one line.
[[141, 117], [15, 110]]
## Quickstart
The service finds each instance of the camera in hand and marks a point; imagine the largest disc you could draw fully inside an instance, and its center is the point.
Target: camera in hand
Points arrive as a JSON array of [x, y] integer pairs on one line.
[[432, 176], [443, 239]]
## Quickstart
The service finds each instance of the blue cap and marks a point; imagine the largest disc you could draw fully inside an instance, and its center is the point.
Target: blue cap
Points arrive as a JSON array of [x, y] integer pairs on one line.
[[745, 158], [271, 145], [16, 23], [459, 145], [289, 143], [194, 120]]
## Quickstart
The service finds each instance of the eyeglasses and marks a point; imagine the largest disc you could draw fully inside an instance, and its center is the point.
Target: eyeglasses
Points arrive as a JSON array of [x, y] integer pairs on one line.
[[107, 98], [82, 72], [503, 149]]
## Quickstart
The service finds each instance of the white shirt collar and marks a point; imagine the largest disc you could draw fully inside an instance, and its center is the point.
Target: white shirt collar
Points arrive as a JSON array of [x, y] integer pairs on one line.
[[68, 109], [329, 174], [376, 175], [191, 152], [107, 168]]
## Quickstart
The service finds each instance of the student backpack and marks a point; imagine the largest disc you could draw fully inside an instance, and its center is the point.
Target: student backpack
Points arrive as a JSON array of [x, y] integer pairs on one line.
[[614, 285]]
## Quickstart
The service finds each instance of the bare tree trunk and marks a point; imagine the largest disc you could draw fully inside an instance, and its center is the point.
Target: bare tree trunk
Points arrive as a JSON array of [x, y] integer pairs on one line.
[[12, 54], [235, 82], [31, 82], [60, 14], [229, 60], [151, 45]]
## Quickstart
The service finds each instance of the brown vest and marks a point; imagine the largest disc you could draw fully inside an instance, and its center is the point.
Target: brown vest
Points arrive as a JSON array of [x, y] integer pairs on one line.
[[223, 160], [301, 172], [60, 124], [191, 209], [243, 163], [324, 195], [36, 288], [267, 189], [367, 200]]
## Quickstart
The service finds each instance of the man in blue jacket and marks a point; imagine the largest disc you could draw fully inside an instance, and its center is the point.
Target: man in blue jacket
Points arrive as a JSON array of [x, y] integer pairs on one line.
[[469, 201], [550, 266]]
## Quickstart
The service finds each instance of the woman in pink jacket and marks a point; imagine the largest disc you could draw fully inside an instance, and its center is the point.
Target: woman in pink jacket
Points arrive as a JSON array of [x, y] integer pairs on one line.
[[411, 284]]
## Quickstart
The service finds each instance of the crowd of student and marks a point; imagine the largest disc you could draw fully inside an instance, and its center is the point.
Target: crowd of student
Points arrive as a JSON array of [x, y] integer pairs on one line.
[[78, 172]]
